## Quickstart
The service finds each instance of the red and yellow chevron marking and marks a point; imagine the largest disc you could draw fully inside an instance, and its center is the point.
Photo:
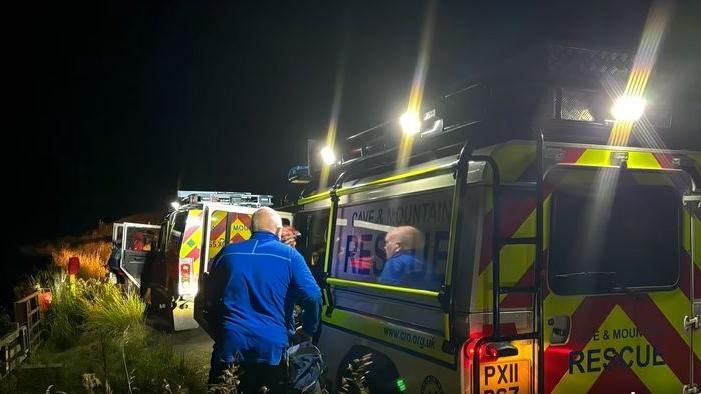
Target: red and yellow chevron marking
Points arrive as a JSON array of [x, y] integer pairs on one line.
[[519, 258], [191, 246], [617, 330], [654, 319], [516, 162], [217, 233], [240, 227], [656, 316]]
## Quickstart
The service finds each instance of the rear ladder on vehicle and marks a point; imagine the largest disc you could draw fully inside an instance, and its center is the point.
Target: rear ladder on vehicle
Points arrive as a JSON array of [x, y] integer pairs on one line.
[[498, 242]]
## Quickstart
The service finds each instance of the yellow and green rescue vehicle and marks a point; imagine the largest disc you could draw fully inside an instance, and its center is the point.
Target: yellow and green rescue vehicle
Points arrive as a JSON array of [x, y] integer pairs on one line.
[[545, 259]]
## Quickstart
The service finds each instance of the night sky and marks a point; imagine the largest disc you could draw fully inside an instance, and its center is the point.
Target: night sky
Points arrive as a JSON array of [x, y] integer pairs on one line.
[[117, 101]]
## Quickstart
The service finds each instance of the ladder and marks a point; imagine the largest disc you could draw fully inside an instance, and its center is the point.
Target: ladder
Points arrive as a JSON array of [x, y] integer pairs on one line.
[[497, 289]]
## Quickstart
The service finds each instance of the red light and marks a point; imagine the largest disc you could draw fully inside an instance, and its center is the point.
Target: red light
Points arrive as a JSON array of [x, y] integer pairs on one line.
[[491, 350], [73, 266], [185, 273], [487, 352], [469, 351]]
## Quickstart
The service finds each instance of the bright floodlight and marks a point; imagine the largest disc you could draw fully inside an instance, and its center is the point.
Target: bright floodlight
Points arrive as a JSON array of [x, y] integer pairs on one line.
[[410, 122], [628, 108], [327, 155], [175, 205]]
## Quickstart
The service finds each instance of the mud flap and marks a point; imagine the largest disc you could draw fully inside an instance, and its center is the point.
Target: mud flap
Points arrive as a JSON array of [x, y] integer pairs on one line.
[[183, 315]]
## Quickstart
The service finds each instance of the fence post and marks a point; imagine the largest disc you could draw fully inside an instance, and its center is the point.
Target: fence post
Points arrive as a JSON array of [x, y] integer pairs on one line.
[[28, 313]]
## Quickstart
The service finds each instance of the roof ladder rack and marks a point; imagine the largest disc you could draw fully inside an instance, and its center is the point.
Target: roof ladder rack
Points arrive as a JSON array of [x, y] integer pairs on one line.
[[244, 199]]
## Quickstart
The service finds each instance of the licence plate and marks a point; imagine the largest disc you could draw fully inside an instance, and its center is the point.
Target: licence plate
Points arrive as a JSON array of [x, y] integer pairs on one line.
[[508, 377]]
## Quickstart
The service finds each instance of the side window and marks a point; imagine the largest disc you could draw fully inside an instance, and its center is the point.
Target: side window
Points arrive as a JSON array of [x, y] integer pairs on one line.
[[141, 239], [400, 241], [160, 244], [118, 236]]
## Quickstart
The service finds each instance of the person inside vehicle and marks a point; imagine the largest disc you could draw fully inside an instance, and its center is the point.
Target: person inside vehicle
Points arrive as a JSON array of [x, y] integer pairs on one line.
[[404, 266], [147, 243], [137, 243], [289, 235], [253, 287]]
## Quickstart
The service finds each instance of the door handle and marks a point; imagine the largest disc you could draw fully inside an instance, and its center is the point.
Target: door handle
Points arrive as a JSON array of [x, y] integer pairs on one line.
[[560, 329]]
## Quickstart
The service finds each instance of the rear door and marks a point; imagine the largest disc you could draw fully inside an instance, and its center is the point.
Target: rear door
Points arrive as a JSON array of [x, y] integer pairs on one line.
[[139, 241], [223, 227], [216, 236], [618, 282]]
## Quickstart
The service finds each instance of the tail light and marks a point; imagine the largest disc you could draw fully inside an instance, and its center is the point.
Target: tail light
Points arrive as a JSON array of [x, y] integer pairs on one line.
[[186, 285], [488, 352]]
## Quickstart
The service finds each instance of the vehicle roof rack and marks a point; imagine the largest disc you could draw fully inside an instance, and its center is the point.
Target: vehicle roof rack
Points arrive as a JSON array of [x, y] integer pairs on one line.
[[244, 199]]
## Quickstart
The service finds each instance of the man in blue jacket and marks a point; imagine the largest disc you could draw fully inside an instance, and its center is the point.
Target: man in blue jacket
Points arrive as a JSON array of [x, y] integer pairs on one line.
[[404, 266], [254, 286]]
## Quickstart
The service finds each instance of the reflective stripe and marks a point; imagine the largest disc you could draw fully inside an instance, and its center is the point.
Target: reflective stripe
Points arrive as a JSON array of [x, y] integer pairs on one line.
[[406, 176], [192, 243], [378, 286], [413, 340]]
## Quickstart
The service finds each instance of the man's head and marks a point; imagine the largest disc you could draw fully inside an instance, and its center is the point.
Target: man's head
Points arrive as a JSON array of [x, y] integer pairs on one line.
[[402, 238], [266, 219]]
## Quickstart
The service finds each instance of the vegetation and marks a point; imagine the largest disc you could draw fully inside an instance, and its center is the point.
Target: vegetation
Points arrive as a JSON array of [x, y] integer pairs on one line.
[[6, 324], [93, 256], [355, 379], [228, 383], [97, 342], [96, 339]]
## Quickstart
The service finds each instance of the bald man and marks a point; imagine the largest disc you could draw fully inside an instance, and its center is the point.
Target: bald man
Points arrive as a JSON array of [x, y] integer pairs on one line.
[[254, 287], [404, 266]]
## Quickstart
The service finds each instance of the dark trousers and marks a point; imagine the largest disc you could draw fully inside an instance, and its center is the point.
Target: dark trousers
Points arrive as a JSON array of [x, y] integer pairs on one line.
[[253, 376]]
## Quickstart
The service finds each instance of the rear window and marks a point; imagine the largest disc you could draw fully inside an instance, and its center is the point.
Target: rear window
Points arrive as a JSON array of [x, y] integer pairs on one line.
[[141, 239], [176, 233], [614, 236]]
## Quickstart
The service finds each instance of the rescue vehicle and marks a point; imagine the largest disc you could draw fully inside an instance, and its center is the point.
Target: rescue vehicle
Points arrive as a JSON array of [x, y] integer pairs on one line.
[[547, 260], [199, 226]]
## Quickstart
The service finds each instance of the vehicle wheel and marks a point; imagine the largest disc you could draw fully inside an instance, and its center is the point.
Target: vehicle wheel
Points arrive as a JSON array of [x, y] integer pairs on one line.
[[366, 371]]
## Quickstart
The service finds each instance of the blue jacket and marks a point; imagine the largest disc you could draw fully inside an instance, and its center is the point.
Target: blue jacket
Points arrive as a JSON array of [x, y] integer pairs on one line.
[[404, 269], [254, 286]]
